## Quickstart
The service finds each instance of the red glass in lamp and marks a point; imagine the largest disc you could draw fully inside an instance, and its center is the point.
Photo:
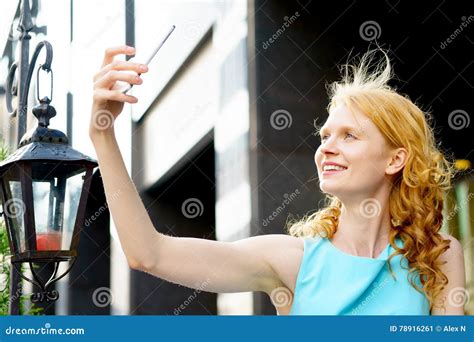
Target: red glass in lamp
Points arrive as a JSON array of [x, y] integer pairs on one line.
[[50, 241]]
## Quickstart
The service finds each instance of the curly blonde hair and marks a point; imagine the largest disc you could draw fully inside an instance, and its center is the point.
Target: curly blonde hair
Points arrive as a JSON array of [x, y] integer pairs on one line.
[[416, 197]]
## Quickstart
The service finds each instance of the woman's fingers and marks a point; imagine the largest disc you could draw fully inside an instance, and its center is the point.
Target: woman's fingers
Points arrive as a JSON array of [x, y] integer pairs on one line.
[[108, 103], [121, 66], [112, 76], [111, 52], [103, 95], [111, 70]]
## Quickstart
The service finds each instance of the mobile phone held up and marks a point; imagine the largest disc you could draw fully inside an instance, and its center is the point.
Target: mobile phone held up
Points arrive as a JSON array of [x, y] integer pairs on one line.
[[125, 86]]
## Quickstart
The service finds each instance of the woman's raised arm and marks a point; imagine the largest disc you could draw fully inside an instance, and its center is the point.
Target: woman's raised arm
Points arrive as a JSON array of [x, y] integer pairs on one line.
[[250, 264]]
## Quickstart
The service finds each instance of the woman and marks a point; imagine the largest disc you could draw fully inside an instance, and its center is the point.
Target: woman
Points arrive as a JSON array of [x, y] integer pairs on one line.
[[375, 249]]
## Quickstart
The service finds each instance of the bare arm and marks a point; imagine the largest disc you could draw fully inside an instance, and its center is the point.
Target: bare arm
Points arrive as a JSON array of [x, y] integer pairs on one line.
[[455, 293], [245, 265]]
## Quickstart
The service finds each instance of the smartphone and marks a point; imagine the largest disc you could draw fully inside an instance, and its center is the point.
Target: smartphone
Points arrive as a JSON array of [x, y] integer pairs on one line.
[[125, 86]]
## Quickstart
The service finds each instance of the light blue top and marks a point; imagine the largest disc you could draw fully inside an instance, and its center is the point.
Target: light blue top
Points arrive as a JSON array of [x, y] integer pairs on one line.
[[332, 282]]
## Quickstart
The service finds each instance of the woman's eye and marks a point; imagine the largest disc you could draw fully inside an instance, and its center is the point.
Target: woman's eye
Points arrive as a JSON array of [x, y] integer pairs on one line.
[[325, 137], [350, 135]]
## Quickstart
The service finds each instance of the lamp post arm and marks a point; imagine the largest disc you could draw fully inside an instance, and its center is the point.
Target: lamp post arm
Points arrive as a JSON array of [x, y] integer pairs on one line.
[[24, 26], [25, 83]]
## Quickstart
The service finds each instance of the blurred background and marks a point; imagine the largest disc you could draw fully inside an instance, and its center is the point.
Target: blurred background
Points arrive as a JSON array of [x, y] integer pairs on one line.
[[221, 142]]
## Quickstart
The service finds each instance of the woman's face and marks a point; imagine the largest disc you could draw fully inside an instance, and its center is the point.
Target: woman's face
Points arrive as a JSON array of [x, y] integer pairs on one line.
[[351, 139]]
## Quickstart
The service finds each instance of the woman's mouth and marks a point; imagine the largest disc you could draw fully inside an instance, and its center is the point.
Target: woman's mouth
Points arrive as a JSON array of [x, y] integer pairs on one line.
[[332, 170]]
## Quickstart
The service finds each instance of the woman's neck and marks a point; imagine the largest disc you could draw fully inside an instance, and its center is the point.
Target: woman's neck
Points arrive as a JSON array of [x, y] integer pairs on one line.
[[363, 228]]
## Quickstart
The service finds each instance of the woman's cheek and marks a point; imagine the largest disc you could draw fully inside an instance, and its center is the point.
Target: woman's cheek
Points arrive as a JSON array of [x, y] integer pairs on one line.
[[317, 158]]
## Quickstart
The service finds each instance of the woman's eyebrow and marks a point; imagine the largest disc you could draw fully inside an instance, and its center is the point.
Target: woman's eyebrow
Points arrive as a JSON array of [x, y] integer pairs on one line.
[[323, 129]]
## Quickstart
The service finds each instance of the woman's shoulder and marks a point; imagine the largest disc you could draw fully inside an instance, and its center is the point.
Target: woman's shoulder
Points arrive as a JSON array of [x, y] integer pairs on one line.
[[454, 243], [300, 242], [282, 241], [285, 254], [454, 252]]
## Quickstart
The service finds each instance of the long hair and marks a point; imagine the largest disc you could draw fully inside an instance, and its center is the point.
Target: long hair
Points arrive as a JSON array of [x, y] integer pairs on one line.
[[416, 197]]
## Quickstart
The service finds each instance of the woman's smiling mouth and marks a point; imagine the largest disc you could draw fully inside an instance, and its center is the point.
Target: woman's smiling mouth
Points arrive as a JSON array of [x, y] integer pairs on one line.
[[330, 168]]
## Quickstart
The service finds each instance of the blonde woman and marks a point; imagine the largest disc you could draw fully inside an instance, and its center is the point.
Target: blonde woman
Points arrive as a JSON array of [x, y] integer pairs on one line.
[[375, 249]]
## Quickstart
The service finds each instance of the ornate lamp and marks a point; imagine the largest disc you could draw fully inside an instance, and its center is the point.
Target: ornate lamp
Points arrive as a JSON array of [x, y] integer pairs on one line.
[[44, 187]]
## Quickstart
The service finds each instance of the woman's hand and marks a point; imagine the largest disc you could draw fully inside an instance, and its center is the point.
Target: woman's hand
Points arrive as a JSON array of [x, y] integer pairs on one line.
[[108, 103]]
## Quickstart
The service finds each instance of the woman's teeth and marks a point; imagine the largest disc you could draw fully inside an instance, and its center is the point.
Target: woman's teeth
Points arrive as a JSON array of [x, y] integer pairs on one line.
[[333, 167]]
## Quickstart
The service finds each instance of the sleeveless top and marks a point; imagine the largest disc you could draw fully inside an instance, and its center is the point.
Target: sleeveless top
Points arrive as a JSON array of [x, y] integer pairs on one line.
[[332, 282]]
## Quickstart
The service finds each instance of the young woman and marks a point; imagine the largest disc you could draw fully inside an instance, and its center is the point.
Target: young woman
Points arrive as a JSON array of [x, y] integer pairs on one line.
[[375, 249]]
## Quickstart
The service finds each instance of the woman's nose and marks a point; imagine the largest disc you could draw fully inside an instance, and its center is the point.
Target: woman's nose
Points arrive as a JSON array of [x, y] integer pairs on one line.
[[328, 147]]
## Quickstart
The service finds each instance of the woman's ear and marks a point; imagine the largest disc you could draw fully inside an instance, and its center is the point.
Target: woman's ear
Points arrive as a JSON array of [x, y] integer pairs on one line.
[[398, 161]]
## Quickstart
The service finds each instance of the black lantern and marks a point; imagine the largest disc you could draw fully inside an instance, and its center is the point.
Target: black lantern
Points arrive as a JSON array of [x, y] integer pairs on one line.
[[44, 186]]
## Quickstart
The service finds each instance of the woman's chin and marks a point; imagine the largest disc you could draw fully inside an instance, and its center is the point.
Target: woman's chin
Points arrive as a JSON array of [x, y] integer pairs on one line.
[[327, 190], [331, 190]]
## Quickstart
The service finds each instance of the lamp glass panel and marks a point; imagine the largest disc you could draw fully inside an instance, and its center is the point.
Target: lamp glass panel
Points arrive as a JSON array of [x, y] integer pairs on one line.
[[14, 213], [56, 194], [72, 198]]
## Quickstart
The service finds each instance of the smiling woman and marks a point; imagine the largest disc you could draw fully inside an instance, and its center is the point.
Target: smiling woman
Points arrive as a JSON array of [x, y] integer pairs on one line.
[[385, 177], [380, 167]]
